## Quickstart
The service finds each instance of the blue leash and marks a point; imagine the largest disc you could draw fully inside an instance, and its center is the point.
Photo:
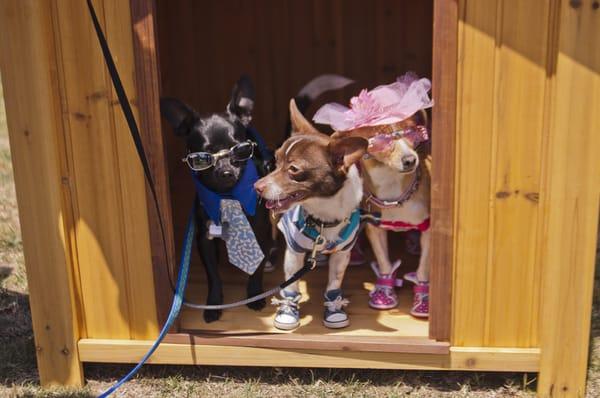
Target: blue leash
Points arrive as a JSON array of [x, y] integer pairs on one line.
[[184, 267], [184, 264]]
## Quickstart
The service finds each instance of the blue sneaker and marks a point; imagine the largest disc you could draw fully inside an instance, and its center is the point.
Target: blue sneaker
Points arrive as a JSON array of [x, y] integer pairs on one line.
[[335, 317], [288, 313]]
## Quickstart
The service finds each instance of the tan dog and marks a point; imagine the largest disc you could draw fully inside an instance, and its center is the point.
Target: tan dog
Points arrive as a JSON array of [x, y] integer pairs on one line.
[[397, 184]]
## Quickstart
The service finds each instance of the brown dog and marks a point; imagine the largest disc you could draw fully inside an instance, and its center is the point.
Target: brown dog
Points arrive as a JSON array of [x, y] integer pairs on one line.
[[318, 189]]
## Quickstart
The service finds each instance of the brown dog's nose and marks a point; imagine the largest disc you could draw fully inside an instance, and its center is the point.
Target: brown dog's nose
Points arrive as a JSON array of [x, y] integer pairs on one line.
[[260, 186]]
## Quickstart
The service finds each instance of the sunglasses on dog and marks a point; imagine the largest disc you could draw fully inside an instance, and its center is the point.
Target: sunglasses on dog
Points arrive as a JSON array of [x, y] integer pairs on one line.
[[199, 161]]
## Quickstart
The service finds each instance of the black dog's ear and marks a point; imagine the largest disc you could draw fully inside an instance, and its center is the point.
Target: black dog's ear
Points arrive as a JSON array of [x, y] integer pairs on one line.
[[180, 116], [242, 100]]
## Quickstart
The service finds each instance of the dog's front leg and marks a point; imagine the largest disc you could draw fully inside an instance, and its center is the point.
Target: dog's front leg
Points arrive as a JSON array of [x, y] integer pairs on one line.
[[379, 244], [292, 262], [335, 315], [255, 287], [423, 270], [210, 260], [338, 262]]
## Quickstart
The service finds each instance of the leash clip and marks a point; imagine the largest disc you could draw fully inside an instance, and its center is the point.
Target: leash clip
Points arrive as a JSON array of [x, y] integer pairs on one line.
[[317, 245]]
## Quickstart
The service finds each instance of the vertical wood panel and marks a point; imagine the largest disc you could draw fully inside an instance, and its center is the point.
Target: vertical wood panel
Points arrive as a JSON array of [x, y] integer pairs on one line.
[[477, 52], [137, 260], [572, 203], [111, 227], [143, 14], [518, 122], [503, 80], [95, 174], [445, 58], [29, 74]]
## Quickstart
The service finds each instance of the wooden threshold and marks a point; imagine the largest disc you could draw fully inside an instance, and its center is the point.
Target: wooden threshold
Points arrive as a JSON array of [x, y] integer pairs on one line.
[[468, 358], [315, 342]]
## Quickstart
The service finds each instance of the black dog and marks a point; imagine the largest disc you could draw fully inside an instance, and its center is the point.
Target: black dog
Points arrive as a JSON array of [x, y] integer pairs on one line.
[[222, 131], [214, 133]]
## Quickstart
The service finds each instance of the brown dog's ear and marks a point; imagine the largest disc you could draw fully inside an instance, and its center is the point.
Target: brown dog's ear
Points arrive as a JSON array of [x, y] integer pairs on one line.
[[299, 123], [346, 151]]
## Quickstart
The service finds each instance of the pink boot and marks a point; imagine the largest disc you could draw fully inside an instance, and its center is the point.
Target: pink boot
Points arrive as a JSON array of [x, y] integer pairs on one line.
[[383, 296], [420, 307]]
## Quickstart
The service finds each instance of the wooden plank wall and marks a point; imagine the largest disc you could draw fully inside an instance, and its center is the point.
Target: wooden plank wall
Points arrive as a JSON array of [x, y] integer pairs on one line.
[[505, 55], [29, 70], [106, 180], [101, 221], [205, 46], [572, 203]]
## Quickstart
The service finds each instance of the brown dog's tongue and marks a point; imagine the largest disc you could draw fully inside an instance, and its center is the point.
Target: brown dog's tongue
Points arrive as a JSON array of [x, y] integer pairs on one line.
[[380, 143]]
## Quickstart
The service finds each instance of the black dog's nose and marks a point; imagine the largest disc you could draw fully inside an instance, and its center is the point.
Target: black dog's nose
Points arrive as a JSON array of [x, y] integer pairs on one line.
[[409, 161], [227, 175]]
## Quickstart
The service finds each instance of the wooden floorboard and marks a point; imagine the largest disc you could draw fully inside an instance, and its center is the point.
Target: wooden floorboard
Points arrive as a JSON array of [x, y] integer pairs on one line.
[[364, 321]]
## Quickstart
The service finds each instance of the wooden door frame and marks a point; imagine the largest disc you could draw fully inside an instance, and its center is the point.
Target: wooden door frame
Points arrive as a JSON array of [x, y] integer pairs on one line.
[[445, 48], [444, 77]]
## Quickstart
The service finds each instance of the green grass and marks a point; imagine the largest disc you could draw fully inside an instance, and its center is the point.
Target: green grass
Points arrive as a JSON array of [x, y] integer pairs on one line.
[[18, 374]]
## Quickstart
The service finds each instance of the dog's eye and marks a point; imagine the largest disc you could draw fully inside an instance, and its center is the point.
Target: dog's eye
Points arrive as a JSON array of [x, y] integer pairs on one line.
[[296, 174]]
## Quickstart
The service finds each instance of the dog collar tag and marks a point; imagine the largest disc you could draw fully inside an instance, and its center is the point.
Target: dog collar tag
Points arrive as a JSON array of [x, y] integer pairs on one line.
[[214, 230]]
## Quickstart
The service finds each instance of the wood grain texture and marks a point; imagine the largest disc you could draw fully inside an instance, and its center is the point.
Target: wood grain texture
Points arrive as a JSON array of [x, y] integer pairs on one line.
[[486, 358], [314, 342], [143, 19], [475, 102], [445, 57], [129, 351], [520, 82], [29, 73], [95, 174], [110, 222], [134, 208], [571, 203], [503, 81]]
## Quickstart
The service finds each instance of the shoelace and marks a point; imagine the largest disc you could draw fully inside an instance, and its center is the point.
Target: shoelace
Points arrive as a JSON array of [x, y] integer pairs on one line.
[[337, 304], [387, 290], [422, 297], [287, 305]]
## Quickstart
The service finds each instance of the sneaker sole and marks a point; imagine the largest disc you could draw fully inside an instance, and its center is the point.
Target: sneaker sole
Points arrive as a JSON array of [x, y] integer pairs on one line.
[[286, 326], [383, 307], [336, 325], [419, 315]]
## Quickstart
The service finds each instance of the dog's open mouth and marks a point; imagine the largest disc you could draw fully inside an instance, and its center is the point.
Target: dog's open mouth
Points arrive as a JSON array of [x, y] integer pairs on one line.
[[283, 204]]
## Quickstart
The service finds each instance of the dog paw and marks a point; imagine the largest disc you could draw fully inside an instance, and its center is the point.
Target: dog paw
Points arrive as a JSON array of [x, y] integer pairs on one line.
[[257, 305], [212, 315]]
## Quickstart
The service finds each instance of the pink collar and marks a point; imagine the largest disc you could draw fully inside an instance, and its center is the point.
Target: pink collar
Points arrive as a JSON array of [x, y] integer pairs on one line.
[[406, 195]]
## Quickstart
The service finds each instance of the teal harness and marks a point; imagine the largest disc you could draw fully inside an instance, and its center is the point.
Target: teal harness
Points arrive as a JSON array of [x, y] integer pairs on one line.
[[301, 230]]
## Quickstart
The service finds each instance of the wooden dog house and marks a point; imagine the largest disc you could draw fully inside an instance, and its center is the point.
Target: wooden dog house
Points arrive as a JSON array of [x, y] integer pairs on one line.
[[515, 191]]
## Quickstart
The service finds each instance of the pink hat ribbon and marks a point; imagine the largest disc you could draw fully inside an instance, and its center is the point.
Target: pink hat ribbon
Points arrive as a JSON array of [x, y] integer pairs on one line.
[[385, 104]]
